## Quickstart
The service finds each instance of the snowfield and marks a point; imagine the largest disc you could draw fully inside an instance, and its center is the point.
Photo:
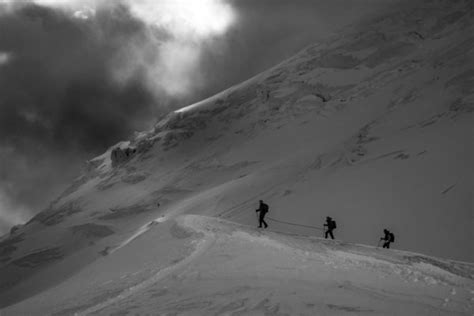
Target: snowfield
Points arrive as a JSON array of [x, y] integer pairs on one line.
[[373, 127], [198, 265]]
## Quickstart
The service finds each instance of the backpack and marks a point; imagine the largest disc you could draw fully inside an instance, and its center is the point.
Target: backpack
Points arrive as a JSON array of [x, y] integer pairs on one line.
[[333, 224], [392, 237], [264, 208]]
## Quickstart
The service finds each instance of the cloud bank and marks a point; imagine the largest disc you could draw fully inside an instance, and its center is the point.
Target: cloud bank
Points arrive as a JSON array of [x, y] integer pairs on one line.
[[169, 48]]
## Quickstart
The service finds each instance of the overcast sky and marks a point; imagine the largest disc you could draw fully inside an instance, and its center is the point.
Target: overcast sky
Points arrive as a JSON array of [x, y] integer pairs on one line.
[[77, 76]]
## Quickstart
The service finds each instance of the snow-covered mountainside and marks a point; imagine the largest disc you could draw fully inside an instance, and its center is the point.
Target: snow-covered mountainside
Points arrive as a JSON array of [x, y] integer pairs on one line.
[[373, 127], [198, 265]]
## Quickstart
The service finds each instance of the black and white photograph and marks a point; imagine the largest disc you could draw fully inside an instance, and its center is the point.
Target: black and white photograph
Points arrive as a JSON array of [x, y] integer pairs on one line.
[[236, 157]]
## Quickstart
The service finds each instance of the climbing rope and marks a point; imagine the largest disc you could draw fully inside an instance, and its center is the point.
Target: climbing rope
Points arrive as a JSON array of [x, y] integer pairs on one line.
[[294, 224]]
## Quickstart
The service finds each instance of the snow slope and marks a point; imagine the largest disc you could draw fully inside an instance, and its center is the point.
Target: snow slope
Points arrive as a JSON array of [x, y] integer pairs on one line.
[[373, 127], [208, 266]]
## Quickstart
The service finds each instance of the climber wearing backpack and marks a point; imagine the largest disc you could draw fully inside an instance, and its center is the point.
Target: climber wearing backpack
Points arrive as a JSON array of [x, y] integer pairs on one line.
[[263, 209], [388, 238], [331, 225]]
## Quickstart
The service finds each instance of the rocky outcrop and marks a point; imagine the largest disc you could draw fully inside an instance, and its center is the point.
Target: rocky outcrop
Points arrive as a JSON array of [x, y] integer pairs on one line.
[[121, 155], [15, 228]]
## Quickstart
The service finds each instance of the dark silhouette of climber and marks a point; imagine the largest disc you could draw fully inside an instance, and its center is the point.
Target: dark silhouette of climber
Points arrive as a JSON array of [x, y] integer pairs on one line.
[[388, 238], [331, 225], [263, 209]]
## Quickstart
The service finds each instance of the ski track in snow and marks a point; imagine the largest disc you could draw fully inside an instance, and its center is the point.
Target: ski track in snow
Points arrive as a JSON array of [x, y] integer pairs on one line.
[[142, 230], [201, 246]]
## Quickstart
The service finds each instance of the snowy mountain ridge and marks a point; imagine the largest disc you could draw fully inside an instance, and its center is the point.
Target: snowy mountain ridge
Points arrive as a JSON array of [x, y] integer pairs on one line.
[[217, 267], [377, 119]]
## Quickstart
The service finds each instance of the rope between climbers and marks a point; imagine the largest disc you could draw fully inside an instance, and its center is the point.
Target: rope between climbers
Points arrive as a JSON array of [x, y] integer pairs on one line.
[[283, 222]]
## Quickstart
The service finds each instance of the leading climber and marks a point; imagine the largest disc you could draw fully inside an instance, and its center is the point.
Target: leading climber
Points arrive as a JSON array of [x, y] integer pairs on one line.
[[263, 209]]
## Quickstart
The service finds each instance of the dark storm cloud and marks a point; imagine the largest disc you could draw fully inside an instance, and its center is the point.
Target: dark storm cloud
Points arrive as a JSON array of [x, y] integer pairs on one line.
[[57, 87], [58, 101]]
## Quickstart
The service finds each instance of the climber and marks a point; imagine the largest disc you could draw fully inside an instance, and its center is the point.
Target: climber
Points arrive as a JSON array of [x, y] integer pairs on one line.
[[331, 225], [388, 238], [263, 209]]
